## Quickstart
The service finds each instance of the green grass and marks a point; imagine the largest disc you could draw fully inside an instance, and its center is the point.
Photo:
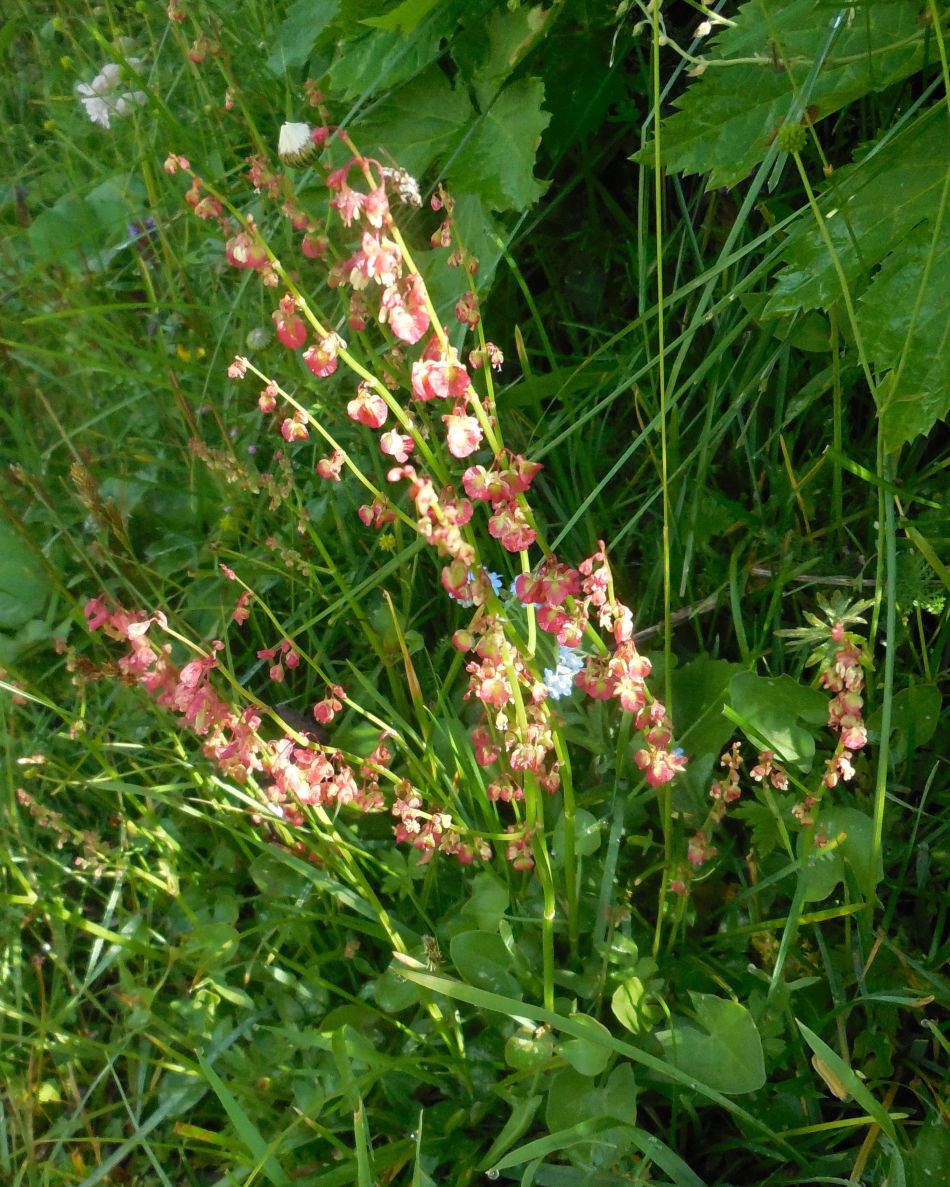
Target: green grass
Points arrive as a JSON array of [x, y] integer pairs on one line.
[[194, 990]]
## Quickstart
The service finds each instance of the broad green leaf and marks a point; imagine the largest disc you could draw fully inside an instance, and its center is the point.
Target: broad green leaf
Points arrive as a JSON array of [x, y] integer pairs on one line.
[[24, 587], [915, 714], [850, 834], [507, 1007], [772, 706], [927, 1163], [729, 115], [498, 161], [416, 124], [304, 25], [628, 1005], [404, 18], [483, 960], [588, 833], [724, 1049], [870, 207], [488, 902], [527, 1053], [699, 690], [908, 331], [377, 59], [393, 993], [574, 1102], [492, 53], [586, 1058]]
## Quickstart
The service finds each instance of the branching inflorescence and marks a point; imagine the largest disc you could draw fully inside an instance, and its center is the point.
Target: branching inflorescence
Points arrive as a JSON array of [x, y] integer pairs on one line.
[[515, 734]]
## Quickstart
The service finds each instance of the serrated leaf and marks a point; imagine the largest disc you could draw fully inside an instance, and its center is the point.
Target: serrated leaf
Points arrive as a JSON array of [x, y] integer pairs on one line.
[[417, 123], [306, 21], [404, 17], [724, 1050], [498, 161], [871, 207], [766, 835], [729, 115], [912, 339], [379, 58], [510, 35]]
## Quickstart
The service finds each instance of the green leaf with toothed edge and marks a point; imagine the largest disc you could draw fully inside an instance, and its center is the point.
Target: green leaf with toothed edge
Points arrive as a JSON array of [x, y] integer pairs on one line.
[[728, 116], [498, 162]]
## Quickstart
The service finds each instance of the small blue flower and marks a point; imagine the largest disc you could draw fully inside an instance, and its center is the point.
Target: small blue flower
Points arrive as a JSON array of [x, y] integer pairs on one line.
[[496, 581], [559, 681]]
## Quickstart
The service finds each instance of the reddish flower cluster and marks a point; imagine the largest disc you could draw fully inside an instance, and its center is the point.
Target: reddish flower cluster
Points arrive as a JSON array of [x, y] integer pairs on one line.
[[293, 774], [844, 675], [566, 599], [510, 476], [432, 832]]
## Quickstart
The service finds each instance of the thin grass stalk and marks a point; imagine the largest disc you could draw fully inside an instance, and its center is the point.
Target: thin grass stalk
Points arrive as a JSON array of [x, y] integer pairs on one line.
[[665, 795]]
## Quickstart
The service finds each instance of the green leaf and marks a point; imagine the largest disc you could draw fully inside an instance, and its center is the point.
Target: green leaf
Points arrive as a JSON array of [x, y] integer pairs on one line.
[[483, 960], [245, 1128], [498, 161], [418, 123], [305, 23], [586, 1058], [574, 1106], [915, 714], [508, 1007], [724, 1049], [629, 1007], [909, 332], [24, 586], [393, 993], [728, 117], [851, 834], [771, 706], [870, 207], [488, 902], [699, 690], [404, 18], [510, 36], [588, 833], [928, 1161], [849, 1080], [380, 58]]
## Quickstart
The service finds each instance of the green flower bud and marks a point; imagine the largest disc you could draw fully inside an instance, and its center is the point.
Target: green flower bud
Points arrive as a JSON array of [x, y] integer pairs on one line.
[[791, 138]]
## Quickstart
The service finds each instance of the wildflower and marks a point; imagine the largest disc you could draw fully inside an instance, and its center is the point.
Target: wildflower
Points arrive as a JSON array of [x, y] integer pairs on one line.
[[403, 306], [368, 407], [330, 467], [103, 98], [510, 526], [322, 359], [289, 324], [463, 434], [559, 681], [295, 145], [396, 445]]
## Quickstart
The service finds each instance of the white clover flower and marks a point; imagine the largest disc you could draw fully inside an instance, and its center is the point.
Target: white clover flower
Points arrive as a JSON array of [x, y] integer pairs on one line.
[[103, 98]]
